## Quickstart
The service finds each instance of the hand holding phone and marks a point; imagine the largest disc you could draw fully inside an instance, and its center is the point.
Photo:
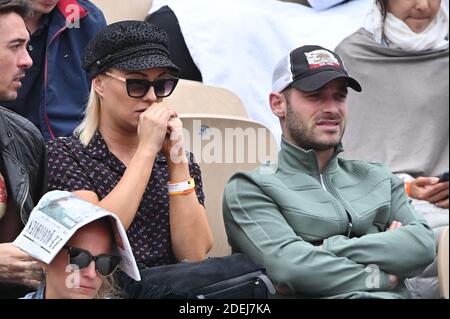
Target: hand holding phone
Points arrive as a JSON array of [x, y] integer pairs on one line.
[[443, 177]]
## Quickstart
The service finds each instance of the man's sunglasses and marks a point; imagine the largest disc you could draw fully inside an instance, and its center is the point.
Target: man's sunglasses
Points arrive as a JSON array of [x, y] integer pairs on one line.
[[138, 88], [105, 264]]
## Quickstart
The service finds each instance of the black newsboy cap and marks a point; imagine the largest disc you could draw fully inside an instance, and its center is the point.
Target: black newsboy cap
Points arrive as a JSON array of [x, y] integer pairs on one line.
[[128, 46]]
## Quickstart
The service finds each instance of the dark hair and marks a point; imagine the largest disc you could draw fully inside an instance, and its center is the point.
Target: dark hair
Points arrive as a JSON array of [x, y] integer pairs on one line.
[[21, 7]]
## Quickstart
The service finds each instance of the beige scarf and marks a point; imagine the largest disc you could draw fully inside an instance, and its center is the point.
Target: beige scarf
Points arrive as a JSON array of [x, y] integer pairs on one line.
[[396, 34]]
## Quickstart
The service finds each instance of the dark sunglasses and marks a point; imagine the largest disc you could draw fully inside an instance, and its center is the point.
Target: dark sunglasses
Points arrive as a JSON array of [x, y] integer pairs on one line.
[[105, 264], [138, 88]]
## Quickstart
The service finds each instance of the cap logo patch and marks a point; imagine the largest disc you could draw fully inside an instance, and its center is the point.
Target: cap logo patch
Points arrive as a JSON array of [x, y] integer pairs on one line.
[[320, 58]]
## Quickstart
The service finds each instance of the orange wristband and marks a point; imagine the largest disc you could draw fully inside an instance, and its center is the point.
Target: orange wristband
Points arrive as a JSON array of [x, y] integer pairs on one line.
[[183, 188], [408, 188], [187, 192]]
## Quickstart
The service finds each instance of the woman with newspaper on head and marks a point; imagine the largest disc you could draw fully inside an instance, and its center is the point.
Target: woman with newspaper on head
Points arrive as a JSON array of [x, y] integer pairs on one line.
[[89, 255], [78, 257]]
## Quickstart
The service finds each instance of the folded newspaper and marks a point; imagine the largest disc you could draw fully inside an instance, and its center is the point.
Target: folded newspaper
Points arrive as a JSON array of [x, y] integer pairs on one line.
[[55, 219]]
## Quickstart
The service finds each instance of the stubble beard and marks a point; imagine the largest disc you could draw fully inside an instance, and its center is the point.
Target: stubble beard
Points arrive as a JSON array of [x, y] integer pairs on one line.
[[303, 135]]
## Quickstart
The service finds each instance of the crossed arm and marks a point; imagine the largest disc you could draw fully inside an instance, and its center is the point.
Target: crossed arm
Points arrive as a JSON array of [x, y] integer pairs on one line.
[[405, 251], [256, 226]]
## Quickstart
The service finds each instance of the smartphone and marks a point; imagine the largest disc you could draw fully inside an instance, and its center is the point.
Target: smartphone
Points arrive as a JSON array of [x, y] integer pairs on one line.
[[443, 177]]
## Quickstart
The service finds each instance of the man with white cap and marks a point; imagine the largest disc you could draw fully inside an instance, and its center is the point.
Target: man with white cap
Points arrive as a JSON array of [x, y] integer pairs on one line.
[[324, 226]]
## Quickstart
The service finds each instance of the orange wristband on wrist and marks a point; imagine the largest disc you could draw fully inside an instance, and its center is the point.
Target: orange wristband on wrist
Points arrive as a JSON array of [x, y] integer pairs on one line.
[[187, 192], [408, 188], [184, 188]]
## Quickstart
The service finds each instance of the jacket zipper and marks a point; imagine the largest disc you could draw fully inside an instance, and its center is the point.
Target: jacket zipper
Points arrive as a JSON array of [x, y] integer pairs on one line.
[[46, 118], [349, 216], [350, 225], [22, 202], [327, 187]]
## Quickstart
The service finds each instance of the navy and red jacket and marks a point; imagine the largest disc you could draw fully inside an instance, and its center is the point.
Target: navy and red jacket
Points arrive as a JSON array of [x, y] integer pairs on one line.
[[72, 24], [66, 84]]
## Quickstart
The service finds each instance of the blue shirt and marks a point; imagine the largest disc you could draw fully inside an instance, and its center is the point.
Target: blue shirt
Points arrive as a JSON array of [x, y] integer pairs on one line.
[[38, 294]]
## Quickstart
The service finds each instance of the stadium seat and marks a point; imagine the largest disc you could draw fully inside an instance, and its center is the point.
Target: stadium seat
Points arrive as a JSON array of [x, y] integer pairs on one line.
[[224, 145], [208, 113], [118, 10], [196, 98]]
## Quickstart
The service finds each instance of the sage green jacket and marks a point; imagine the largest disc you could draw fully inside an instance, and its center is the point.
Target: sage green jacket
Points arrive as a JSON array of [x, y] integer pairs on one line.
[[327, 238]]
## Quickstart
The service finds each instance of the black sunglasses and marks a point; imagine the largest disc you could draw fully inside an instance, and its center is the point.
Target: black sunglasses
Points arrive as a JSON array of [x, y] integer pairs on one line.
[[105, 264], [138, 88]]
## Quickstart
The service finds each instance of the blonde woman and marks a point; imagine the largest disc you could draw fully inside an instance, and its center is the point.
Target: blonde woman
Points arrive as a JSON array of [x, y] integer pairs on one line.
[[120, 156]]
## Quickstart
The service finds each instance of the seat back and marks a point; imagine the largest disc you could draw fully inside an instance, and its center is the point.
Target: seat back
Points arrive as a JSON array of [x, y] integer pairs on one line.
[[119, 10], [223, 146], [443, 270], [196, 98]]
